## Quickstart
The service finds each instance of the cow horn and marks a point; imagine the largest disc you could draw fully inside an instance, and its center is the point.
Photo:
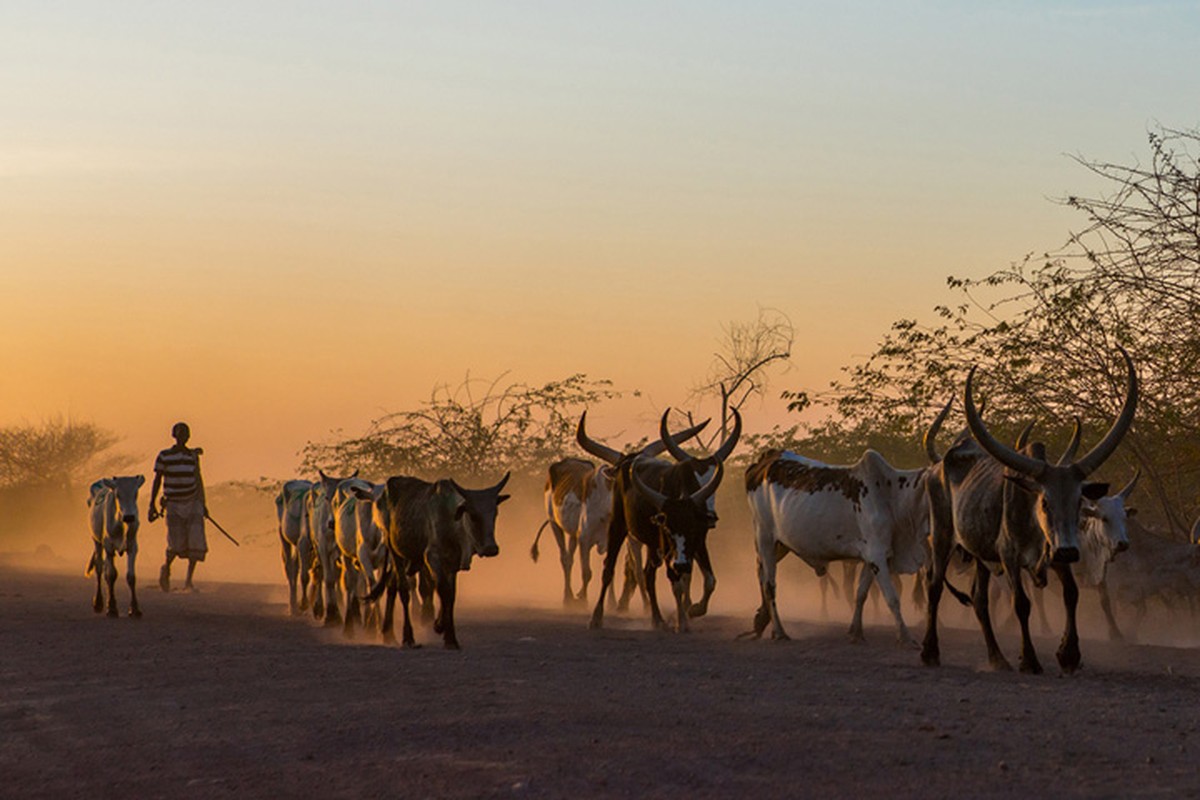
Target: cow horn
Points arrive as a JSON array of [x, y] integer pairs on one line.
[[499, 486], [706, 491], [655, 448], [1023, 436], [677, 452], [593, 447], [1010, 458], [656, 497], [726, 448], [1100, 453], [1128, 490], [931, 434], [1195, 534], [1073, 446]]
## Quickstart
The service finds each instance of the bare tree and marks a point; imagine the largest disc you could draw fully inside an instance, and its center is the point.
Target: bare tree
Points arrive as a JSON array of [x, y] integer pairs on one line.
[[741, 364]]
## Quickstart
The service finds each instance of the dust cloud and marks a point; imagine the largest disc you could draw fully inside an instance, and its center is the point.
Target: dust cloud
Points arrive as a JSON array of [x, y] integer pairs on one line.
[[54, 536]]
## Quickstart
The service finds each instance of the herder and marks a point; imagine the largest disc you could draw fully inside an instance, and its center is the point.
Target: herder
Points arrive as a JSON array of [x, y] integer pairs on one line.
[[177, 472]]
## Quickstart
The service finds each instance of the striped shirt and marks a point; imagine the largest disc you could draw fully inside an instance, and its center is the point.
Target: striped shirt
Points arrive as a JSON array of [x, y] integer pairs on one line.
[[180, 470]]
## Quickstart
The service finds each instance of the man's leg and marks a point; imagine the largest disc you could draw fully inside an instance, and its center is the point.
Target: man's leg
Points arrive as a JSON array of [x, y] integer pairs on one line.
[[164, 574], [191, 569]]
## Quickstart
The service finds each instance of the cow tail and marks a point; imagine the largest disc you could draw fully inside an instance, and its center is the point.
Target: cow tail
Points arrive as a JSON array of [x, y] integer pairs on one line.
[[378, 588], [91, 566], [959, 596], [533, 551]]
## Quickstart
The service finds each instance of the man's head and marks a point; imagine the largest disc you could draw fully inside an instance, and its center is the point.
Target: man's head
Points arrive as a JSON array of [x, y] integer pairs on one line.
[[181, 432]]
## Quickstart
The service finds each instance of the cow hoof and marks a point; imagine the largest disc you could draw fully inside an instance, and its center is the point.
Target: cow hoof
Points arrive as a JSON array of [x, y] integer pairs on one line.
[[856, 637], [411, 646], [931, 658], [333, 620], [595, 624], [452, 646], [698, 610], [1069, 662], [389, 639], [97, 607], [135, 613], [908, 642], [112, 612]]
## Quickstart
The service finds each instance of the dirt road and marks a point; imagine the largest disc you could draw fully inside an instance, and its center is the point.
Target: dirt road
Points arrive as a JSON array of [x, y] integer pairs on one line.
[[221, 694]]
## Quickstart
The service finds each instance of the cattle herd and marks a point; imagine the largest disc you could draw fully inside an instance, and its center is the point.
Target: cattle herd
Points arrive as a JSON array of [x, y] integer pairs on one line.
[[982, 508]]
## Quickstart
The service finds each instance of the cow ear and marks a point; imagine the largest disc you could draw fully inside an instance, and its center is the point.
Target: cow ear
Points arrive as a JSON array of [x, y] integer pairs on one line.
[[459, 511], [1022, 482], [109, 483], [141, 480], [1094, 491], [502, 498], [1131, 512]]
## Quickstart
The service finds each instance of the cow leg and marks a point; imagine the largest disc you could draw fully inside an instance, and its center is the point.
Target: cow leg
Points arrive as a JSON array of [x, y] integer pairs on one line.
[[650, 571], [97, 566], [131, 551], [1114, 633], [585, 572], [110, 576], [446, 589], [710, 581], [1068, 650], [1039, 603], [386, 631], [350, 587], [616, 537], [634, 577], [425, 587], [333, 615], [825, 584], [291, 567], [402, 585], [941, 537], [1021, 606], [888, 587], [860, 598], [679, 587], [769, 553], [318, 587], [566, 557]]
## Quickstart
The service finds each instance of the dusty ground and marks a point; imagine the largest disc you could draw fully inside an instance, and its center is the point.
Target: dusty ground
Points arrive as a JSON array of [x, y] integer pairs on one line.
[[221, 694]]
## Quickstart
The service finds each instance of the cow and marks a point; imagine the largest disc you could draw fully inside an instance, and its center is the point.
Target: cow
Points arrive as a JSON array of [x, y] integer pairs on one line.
[[661, 505], [868, 511], [1102, 535], [114, 522], [357, 538], [1153, 567], [1025, 518], [295, 541], [437, 529], [703, 468], [578, 502], [327, 561]]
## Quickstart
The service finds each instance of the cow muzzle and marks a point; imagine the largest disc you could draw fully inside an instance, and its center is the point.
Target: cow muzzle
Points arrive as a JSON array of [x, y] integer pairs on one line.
[[129, 519], [490, 549], [1122, 546], [1065, 555]]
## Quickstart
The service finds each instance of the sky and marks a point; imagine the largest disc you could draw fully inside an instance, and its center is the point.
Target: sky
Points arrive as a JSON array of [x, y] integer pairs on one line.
[[276, 220]]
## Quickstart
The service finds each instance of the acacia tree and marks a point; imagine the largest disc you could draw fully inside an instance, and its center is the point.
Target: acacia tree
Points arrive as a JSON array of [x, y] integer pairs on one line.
[[473, 430], [1044, 331], [740, 368], [56, 453]]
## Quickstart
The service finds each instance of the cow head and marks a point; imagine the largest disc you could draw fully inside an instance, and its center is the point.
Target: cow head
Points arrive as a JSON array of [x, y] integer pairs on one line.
[[1104, 525], [320, 502], [478, 513], [702, 468], [681, 517], [616, 457], [125, 490], [1057, 490]]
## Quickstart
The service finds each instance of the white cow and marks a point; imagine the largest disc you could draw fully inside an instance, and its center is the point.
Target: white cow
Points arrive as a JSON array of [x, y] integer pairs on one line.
[[578, 503], [295, 541], [869, 512], [355, 532], [327, 560], [114, 521]]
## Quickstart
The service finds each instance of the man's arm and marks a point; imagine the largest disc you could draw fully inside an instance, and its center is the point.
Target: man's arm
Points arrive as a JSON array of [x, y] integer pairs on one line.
[[153, 513]]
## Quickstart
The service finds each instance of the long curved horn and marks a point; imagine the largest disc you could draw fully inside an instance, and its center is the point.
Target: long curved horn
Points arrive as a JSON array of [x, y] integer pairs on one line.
[[931, 434], [677, 452], [1098, 454], [726, 448], [1010, 458], [500, 485], [1073, 446], [706, 491], [1195, 534], [1023, 436], [593, 447], [655, 448], [1128, 490], [656, 497]]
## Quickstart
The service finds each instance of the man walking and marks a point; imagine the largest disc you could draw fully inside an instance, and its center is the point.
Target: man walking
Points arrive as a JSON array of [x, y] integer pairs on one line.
[[177, 472]]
